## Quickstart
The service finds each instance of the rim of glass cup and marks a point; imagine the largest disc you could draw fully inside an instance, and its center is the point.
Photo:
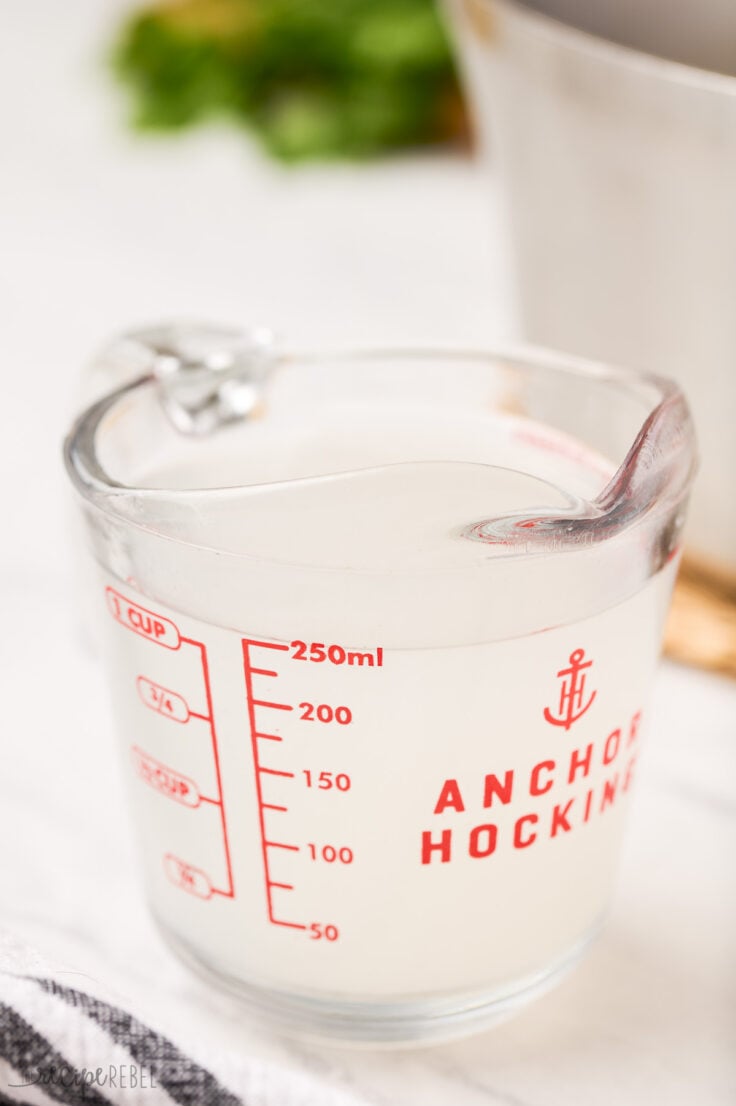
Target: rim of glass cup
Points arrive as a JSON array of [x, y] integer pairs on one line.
[[630, 56], [654, 477]]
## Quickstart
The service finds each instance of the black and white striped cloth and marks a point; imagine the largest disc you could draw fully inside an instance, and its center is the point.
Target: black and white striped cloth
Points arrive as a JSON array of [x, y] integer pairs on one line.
[[61, 1043]]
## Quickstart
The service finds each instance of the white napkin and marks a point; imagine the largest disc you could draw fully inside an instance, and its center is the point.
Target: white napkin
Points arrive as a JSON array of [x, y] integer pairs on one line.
[[61, 1042]]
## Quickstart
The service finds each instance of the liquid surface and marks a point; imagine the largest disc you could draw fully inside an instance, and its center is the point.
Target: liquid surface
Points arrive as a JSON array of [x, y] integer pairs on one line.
[[360, 487]]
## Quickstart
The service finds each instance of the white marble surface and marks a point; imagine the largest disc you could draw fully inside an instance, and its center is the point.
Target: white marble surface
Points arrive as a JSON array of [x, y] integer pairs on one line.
[[99, 232]]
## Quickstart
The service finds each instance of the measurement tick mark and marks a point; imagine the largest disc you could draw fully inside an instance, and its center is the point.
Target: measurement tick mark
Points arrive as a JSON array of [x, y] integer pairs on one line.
[[209, 718], [260, 771]]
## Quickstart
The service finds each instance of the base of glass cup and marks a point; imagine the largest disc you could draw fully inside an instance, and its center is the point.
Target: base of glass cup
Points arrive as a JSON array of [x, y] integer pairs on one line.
[[399, 1023]]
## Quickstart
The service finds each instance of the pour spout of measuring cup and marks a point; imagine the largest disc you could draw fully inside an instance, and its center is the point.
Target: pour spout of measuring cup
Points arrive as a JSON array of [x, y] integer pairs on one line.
[[655, 475], [207, 375]]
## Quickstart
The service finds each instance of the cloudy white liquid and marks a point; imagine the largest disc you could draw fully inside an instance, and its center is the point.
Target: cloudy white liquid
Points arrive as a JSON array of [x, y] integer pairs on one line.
[[356, 539]]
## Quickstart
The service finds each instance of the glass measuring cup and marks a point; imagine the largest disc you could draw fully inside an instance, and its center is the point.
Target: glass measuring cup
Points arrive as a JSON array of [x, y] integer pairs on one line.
[[380, 630]]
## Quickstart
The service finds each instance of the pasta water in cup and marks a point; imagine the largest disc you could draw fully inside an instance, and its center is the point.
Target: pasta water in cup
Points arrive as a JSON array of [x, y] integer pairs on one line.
[[380, 632]]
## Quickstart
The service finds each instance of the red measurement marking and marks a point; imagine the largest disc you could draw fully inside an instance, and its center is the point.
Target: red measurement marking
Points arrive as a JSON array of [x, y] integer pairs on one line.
[[162, 631], [188, 878], [260, 770], [141, 621], [263, 672], [230, 892], [167, 781], [162, 700]]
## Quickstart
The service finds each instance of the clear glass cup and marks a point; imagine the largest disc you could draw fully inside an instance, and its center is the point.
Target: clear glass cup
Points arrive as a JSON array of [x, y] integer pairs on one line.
[[380, 630]]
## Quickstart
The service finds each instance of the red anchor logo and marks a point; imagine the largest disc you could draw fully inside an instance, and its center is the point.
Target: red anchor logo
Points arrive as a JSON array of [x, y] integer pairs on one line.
[[571, 692]]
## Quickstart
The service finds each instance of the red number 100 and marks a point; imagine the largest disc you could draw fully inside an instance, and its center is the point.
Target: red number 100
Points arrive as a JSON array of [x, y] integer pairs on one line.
[[330, 854]]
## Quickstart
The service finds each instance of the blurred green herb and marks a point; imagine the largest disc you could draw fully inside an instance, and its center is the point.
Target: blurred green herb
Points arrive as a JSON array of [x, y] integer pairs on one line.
[[313, 78]]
